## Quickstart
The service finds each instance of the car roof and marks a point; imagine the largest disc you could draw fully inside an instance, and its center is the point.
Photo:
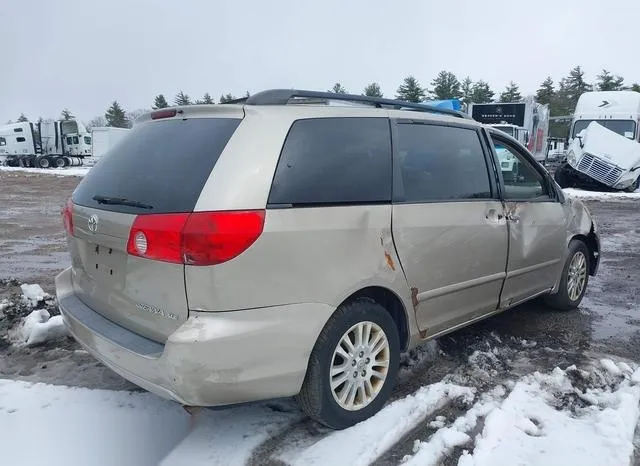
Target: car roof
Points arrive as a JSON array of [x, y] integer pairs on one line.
[[313, 104]]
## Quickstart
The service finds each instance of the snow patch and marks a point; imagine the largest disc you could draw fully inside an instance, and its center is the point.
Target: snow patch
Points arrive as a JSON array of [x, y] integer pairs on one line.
[[601, 196], [33, 294], [534, 425], [105, 428], [68, 171], [39, 327], [230, 436], [354, 446]]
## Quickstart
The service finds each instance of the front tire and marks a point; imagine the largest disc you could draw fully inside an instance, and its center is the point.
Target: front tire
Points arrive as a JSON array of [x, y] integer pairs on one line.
[[575, 278], [634, 186], [353, 366]]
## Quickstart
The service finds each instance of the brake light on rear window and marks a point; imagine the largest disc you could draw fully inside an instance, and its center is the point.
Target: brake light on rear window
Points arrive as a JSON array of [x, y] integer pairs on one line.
[[67, 217], [199, 238], [170, 113]]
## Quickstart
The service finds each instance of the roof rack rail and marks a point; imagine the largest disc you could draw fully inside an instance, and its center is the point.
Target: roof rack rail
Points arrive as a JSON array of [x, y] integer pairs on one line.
[[283, 96], [240, 100]]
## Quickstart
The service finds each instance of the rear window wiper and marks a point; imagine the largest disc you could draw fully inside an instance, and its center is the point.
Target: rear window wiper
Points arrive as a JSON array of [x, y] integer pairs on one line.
[[120, 201]]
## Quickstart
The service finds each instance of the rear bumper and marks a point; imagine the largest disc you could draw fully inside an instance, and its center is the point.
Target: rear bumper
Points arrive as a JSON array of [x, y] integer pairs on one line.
[[214, 358]]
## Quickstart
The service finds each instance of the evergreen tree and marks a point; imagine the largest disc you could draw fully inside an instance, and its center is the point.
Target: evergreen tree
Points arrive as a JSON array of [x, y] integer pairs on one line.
[[182, 99], [98, 122], [546, 93], [511, 93], [160, 102], [66, 114], [247, 94], [372, 90], [608, 82], [466, 89], [337, 89], [224, 98], [410, 90], [572, 87], [206, 99], [116, 116], [635, 87], [22, 118], [481, 93], [446, 86]]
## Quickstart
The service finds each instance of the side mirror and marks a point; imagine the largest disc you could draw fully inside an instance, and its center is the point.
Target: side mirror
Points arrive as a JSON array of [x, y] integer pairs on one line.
[[581, 141]]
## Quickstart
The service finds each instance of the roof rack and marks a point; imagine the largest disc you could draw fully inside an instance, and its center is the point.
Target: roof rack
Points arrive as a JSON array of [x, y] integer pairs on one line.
[[283, 96]]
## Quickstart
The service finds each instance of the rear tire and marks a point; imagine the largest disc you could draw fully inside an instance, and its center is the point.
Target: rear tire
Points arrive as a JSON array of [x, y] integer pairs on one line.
[[562, 177], [574, 280], [59, 162], [43, 162], [344, 386]]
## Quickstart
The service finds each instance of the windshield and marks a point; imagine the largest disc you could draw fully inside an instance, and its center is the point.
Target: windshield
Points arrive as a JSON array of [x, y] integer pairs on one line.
[[87, 139], [505, 129], [626, 128]]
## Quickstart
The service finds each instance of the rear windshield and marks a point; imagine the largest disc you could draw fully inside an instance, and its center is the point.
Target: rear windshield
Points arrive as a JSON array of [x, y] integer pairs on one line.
[[161, 164]]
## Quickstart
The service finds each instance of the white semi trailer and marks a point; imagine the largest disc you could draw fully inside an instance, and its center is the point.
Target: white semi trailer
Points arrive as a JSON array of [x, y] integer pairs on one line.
[[46, 144]]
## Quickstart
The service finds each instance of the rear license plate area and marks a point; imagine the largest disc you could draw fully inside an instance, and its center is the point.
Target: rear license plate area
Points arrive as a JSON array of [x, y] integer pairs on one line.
[[104, 264]]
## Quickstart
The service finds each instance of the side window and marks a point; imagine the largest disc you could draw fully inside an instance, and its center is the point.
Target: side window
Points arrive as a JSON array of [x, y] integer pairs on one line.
[[17, 130], [440, 163], [521, 179], [69, 140], [329, 161], [20, 139], [3, 142], [76, 140]]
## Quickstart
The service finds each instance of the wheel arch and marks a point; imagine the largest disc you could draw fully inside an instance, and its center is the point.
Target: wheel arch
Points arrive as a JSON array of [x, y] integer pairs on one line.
[[593, 244], [392, 304]]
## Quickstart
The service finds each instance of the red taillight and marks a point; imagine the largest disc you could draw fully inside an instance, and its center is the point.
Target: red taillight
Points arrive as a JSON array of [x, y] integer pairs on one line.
[[160, 235], [67, 217], [200, 238]]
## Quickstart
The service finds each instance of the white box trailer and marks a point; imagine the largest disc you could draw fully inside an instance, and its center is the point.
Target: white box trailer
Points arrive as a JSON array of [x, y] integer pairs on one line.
[[104, 138], [527, 121], [604, 142]]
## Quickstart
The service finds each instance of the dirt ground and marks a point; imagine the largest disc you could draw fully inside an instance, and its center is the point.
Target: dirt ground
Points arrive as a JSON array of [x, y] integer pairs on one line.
[[528, 338]]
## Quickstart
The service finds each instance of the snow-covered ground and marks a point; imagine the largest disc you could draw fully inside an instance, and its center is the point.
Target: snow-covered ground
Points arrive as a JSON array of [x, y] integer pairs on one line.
[[601, 196], [573, 416], [67, 171]]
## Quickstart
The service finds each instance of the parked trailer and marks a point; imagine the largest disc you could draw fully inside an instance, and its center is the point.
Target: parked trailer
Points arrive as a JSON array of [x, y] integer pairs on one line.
[[104, 138], [47, 144], [527, 121]]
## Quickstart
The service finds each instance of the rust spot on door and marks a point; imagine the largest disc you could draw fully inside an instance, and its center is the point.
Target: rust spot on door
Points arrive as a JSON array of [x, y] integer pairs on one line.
[[390, 262], [414, 297]]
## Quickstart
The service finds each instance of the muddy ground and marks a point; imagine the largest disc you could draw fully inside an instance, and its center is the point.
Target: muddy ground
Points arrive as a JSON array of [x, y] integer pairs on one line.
[[528, 338]]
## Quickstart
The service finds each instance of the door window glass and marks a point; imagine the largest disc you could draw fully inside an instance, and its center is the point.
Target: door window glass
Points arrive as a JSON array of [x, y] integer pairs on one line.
[[521, 179]]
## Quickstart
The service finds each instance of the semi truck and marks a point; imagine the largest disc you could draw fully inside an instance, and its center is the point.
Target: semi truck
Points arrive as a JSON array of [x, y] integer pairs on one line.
[[527, 121], [603, 143], [45, 144]]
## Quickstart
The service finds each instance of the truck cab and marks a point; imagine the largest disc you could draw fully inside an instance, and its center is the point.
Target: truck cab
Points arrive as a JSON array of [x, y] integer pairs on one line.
[[604, 141]]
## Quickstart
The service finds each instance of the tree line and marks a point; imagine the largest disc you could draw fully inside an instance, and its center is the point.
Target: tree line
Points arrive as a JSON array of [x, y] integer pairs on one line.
[[561, 97]]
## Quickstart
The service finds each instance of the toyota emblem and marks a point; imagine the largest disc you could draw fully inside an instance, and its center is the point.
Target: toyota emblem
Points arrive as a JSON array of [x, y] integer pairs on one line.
[[93, 223]]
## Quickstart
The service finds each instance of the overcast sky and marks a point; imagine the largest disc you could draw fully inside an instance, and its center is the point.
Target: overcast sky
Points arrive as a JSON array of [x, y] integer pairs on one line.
[[84, 54]]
